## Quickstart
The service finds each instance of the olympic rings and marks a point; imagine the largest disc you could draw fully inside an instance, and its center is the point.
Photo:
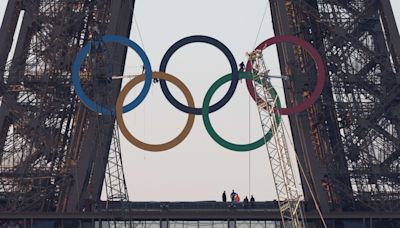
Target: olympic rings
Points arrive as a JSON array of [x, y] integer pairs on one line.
[[220, 46], [214, 134], [190, 109], [318, 62], [76, 72], [130, 137]]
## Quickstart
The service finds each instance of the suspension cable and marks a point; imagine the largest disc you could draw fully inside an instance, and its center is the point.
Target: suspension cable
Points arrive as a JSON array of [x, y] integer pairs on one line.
[[259, 28], [249, 142], [131, 6]]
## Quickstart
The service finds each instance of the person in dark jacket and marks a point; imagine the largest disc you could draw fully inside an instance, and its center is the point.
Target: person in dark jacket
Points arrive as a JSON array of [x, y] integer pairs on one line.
[[224, 197], [252, 201], [233, 194], [241, 67]]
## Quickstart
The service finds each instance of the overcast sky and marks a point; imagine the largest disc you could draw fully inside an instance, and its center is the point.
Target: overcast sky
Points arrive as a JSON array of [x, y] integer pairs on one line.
[[198, 168]]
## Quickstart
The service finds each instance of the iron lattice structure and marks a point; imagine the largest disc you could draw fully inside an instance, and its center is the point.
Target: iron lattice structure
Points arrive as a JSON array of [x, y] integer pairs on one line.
[[53, 150], [116, 188], [349, 140], [287, 191]]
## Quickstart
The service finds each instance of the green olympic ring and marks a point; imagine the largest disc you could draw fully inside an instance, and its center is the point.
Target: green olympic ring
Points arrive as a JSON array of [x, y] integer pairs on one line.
[[214, 135]]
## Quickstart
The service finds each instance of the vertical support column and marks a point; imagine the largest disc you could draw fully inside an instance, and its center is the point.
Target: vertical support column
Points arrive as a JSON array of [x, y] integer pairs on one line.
[[95, 153], [391, 31], [9, 27], [293, 92], [164, 224], [121, 23], [232, 223], [7, 31]]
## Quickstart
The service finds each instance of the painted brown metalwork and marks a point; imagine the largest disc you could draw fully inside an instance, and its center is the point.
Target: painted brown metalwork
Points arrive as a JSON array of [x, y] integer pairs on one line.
[[53, 151], [349, 140]]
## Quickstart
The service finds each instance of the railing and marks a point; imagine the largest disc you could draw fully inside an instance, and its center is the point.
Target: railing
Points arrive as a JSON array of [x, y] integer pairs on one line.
[[202, 205]]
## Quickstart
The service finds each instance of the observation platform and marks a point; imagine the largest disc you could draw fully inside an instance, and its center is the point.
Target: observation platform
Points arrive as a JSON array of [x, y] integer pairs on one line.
[[207, 214]]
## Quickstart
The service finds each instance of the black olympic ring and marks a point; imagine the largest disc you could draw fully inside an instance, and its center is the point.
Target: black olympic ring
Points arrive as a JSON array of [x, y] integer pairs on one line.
[[225, 51]]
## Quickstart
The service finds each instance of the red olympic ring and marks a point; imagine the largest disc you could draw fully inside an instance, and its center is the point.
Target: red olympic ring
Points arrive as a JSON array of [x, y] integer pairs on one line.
[[318, 62]]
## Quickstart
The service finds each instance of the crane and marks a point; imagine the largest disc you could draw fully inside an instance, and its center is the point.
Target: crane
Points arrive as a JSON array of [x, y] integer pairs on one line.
[[288, 193]]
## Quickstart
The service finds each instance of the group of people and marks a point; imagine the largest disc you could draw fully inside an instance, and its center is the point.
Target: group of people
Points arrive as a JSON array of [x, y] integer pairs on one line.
[[235, 198]]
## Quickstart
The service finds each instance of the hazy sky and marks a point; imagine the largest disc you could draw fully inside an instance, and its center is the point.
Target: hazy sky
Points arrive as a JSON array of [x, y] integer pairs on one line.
[[198, 168]]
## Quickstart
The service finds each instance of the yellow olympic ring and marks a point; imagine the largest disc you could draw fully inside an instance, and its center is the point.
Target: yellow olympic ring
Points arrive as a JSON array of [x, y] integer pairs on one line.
[[135, 141]]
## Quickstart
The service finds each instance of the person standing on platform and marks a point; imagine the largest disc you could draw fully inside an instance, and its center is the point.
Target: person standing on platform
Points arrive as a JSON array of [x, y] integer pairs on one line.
[[233, 193], [224, 197], [252, 201], [237, 198]]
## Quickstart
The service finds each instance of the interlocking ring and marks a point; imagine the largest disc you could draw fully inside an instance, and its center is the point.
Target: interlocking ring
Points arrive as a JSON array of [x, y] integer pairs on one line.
[[135, 141], [318, 62], [207, 123], [190, 109], [207, 40], [76, 67]]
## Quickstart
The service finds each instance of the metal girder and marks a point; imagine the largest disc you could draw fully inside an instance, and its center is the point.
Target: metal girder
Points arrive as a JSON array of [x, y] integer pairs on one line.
[[354, 127], [53, 149]]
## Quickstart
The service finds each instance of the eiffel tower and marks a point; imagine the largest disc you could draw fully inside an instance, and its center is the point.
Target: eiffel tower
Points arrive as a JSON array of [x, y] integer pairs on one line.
[[55, 153]]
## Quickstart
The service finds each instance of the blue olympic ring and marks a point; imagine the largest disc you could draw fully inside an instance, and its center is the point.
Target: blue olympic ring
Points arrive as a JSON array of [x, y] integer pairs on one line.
[[76, 75]]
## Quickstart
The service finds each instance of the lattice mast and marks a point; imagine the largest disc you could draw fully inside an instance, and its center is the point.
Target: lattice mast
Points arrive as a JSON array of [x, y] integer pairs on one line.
[[288, 193], [114, 182], [116, 189]]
